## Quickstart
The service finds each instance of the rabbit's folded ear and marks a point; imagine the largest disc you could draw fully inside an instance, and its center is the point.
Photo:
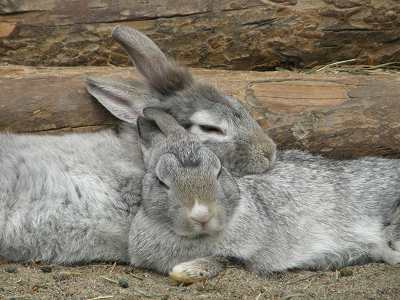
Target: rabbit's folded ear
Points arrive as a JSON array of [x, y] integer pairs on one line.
[[124, 100], [147, 129], [167, 168], [163, 75], [149, 134], [167, 124]]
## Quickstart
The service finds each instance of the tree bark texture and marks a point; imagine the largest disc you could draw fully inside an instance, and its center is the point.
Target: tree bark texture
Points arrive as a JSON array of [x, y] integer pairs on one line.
[[338, 115], [228, 34]]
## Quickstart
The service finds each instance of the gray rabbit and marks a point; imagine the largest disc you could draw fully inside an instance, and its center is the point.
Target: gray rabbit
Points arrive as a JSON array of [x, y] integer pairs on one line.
[[308, 212], [70, 198], [220, 122]]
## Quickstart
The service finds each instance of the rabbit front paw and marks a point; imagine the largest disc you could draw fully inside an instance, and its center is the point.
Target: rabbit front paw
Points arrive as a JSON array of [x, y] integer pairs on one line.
[[391, 256], [199, 269]]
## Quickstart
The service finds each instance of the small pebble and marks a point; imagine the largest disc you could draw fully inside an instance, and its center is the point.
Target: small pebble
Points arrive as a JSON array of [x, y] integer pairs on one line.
[[123, 282], [46, 269], [10, 269], [64, 276], [346, 272]]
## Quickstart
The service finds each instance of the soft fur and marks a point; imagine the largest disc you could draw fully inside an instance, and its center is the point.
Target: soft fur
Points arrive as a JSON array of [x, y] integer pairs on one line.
[[68, 199], [308, 212]]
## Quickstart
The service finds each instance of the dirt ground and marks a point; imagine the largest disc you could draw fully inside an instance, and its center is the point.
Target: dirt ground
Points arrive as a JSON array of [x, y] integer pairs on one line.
[[108, 281]]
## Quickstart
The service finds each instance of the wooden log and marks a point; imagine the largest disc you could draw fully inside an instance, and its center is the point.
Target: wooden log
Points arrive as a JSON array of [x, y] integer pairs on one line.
[[338, 115], [230, 34]]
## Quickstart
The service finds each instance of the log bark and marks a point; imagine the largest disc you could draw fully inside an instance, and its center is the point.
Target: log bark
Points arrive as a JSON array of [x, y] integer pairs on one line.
[[230, 34], [338, 115]]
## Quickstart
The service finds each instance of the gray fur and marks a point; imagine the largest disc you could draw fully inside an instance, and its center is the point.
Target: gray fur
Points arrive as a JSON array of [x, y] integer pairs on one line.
[[68, 199], [308, 212], [220, 122]]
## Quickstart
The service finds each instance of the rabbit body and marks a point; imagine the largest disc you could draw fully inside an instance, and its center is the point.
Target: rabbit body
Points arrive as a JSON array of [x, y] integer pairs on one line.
[[307, 212], [70, 199], [67, 199]]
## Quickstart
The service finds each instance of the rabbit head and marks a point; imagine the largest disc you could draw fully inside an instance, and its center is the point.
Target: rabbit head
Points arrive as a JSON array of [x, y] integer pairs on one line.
[[220, 122], [185, 187]]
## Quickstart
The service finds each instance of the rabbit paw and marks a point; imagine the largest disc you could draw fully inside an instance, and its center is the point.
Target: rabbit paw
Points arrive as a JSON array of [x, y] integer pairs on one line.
[[391, 256], [396, 246], [196, 270]]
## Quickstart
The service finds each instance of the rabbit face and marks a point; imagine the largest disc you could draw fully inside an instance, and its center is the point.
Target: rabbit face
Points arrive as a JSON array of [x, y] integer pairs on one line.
[[188, 196], [185, 187], [218, 121], [224, 125]]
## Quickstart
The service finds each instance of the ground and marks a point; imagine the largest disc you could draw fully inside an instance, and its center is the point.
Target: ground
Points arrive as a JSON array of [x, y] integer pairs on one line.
[[105, 281]]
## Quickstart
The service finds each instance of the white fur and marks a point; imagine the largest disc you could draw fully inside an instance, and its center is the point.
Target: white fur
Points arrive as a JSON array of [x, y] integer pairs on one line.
[[203, 117], [200, 213]]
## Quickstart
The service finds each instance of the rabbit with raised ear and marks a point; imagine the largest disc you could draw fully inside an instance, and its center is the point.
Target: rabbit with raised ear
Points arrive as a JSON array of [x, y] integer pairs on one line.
[[220, 122], [308, 212]]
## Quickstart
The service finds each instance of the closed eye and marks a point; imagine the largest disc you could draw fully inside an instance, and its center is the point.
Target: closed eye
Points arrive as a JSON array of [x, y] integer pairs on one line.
[[211, 129]]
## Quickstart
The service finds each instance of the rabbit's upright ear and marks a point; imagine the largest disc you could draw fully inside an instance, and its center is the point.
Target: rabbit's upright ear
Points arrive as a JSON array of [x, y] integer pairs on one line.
[[125, 100], [163, 75]]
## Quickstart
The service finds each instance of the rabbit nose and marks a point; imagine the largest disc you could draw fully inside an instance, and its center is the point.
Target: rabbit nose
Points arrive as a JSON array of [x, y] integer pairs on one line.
[[200, 213]]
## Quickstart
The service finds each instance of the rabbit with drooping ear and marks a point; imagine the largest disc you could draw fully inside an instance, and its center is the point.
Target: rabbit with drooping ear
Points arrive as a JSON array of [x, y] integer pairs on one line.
[[308, 212], [220, 122], [71, 199]]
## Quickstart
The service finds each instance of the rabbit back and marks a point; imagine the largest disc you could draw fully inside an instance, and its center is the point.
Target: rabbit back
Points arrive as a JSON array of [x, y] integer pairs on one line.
[[60, 196], [319, 213]]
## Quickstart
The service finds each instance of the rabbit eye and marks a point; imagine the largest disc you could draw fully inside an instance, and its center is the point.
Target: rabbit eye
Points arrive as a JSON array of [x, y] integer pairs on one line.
[[211, 129], [162, 183]]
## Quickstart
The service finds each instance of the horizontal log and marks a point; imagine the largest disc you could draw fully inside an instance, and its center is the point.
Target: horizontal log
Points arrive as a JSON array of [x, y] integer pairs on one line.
[[339, 115], [229, 34]]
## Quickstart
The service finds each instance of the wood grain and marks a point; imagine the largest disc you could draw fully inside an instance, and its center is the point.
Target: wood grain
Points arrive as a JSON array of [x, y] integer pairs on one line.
[[336, 115], [227, 34]]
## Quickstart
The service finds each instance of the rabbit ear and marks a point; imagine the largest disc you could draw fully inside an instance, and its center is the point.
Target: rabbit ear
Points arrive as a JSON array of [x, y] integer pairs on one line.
[[167, 124], [124, 100], [210, 161], [163, 75], [149, 134], [147, 130]]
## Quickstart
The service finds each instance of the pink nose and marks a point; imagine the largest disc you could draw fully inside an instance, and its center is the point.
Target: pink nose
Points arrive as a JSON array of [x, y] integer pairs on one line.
[[200, 214]]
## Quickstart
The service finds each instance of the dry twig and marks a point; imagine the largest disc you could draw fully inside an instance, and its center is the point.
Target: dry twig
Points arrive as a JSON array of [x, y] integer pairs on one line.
[[336, 64], [109, 280], [101, 297]]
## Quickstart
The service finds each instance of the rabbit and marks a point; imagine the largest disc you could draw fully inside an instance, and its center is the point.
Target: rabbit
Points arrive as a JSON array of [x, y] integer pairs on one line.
[[307, 212], [220, 122], [70, 199], [78, 179]]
